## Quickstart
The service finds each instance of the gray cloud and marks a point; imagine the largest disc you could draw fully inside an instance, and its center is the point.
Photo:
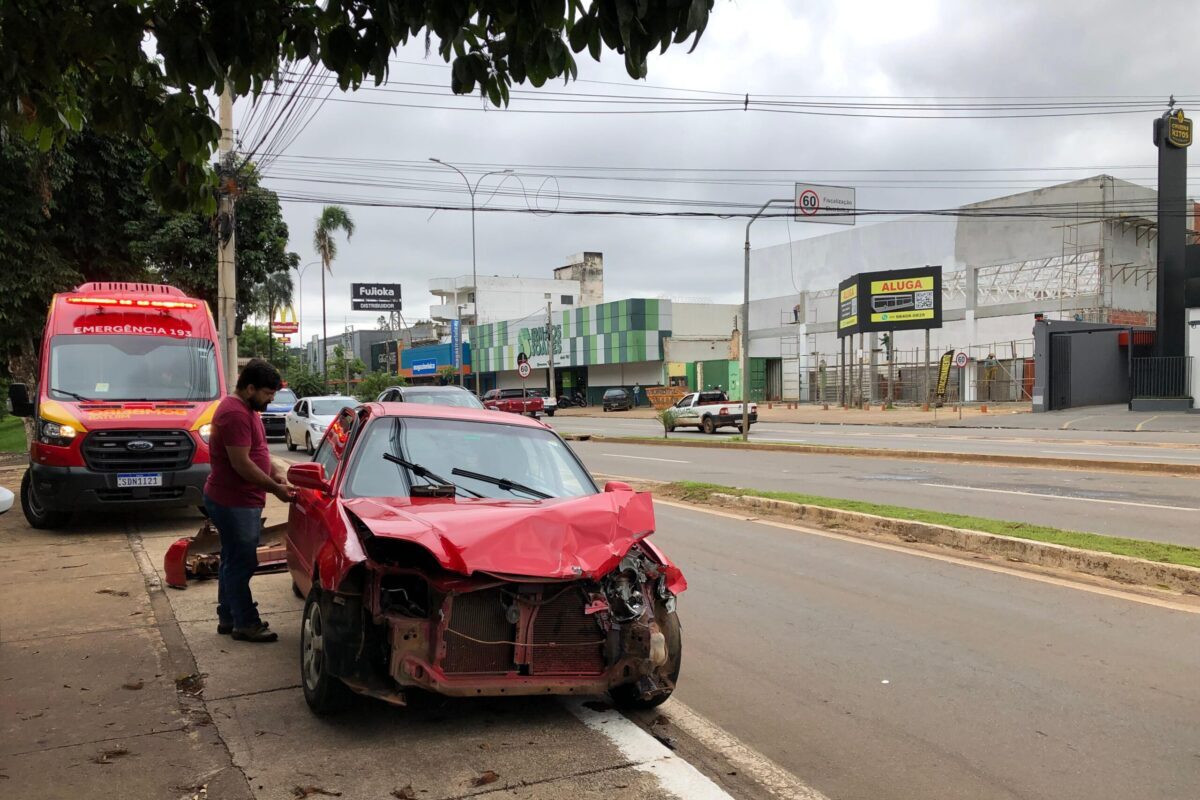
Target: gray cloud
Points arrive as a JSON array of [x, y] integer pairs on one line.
[[885, 48]]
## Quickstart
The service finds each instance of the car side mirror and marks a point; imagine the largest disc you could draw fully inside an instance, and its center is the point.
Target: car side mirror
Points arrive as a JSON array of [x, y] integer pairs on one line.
[[18, 400], [617, 486], [309, 475]]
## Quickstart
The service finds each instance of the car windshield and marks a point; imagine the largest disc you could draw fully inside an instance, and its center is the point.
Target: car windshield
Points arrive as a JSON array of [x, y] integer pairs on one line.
[[284, 397], [452, 398], [530, 456], [615, 393], [129, 367], [328, 406]]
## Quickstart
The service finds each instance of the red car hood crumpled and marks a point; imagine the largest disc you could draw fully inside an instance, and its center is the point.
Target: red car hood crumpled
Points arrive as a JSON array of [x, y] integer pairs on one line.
[[569, 537]]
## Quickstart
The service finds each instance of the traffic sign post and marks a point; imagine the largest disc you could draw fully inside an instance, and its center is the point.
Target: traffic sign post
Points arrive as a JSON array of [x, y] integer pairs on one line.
[[523, 369], [960, 361]]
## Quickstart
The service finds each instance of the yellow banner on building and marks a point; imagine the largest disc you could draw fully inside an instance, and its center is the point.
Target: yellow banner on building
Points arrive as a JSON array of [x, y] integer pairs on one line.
[[922, 284]]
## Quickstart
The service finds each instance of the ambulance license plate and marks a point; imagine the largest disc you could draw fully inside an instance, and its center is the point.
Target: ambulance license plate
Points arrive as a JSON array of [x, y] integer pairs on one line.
[[129, 480]]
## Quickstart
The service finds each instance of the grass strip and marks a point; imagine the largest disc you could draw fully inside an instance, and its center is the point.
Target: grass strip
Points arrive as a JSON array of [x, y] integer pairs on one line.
[[1135, 548], [12, 435]]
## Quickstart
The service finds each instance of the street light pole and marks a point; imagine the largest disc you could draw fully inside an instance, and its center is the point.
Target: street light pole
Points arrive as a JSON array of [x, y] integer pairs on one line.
[[472, 190], [744, 353], [300, 300]]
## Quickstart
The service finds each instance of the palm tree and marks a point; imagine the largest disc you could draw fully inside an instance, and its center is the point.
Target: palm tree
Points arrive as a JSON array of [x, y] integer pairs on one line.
[[273, 293], [332, 219]]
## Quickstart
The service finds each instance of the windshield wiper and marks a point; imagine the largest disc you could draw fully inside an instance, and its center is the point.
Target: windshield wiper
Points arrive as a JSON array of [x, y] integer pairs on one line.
[[76, 396], [503, 483], [422, 472]]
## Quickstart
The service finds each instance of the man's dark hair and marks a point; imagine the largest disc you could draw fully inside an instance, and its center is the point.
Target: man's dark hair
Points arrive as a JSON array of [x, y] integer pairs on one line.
[[259, 374]]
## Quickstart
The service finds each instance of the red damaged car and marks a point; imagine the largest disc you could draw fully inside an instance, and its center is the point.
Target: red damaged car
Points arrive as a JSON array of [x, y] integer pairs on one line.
[[455, 551]]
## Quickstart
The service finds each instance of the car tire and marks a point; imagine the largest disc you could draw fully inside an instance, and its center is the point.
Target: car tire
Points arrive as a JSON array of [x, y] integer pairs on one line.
[[296, 591], [287, 439], [626, 696], [36, 513], [670, 429], [308, 445], [550, 413], [324, 693], [606, 409], [708, 426]]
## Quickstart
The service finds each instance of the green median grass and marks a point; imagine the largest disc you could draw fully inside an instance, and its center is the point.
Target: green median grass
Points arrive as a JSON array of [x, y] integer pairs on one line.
[[1134, 548], [12, 435]]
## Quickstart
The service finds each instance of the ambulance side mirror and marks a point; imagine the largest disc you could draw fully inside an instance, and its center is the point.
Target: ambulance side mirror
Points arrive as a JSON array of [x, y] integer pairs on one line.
[[18, 400]]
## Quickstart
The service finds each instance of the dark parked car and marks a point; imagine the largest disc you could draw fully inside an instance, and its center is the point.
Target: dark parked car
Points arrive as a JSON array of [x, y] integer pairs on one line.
[[274, 418], [455, 396], [618, 400]]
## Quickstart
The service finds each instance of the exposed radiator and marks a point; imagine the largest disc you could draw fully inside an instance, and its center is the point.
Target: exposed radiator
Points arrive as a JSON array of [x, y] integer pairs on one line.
[[578, 637], [479, 615]]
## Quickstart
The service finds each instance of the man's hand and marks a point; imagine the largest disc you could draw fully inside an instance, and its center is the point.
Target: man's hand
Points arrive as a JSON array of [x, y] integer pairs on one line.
[[284, 492]]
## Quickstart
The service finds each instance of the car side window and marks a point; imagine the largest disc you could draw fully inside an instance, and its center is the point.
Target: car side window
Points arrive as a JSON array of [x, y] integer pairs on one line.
[[326, 457], [684, 401]]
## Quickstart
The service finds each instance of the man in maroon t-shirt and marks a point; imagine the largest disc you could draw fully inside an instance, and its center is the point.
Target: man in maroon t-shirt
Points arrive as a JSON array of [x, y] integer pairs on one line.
[[235, 494]]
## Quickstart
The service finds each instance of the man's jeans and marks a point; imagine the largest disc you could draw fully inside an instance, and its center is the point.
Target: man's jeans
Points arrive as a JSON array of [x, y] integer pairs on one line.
[[239, 529]]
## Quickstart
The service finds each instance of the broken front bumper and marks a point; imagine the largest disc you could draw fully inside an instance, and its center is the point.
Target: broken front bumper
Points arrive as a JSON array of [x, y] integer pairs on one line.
[[199, 556]]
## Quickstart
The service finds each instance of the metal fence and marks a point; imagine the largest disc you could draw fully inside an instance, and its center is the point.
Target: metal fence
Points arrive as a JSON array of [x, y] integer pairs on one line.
[[1161, 376], [997, 372]]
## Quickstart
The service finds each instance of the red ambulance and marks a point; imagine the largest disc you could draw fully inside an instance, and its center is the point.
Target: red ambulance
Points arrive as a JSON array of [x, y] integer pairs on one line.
[[129, 378]]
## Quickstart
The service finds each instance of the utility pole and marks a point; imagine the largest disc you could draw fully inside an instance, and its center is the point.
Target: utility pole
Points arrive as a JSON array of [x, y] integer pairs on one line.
[[744, 351], [226, 265], [550, 348]]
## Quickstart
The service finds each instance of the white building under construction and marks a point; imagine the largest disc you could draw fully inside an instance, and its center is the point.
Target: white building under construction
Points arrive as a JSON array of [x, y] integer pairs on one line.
[[1081, 250]]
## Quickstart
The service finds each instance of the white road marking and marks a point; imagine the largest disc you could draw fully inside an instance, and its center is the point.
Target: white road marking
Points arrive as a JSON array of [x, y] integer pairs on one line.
[[649, 755], [1059, 497], [948, 559], [646, 458], [769, 775]]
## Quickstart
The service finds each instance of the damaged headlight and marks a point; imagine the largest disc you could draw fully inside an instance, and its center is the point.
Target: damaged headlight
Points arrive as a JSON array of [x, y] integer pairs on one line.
[[625, 586]]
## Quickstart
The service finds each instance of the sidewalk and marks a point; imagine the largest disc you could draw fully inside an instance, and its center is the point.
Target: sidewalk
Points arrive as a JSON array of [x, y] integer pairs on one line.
[[807, 413], [91, 656]]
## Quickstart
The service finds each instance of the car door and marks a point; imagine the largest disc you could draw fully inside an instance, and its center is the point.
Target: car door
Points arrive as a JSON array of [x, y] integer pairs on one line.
[[314, 513], [295, 422], [685, 411]]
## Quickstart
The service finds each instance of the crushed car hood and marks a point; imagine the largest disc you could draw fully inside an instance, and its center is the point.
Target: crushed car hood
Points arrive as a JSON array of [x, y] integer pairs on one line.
[[568, 537]]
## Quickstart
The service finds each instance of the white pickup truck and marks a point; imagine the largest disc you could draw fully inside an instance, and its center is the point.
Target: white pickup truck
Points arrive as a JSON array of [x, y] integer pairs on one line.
[[709, 411]]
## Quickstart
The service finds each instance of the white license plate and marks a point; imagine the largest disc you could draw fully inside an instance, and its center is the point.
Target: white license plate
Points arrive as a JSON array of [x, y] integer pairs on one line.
[[128, 480]]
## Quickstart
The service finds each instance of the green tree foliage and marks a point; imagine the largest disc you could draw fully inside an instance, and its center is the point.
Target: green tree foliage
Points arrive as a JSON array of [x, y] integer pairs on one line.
[[181, 248], [371, 385], [303, 381], [67, 215], [71, 63], [82, 213]]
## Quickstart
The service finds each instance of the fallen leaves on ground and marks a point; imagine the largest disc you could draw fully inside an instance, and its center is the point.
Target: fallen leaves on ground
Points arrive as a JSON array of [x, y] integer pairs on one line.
[[106, 756], [113, 592], [301, 792], [133, 686], [406, 793], [485, 779]]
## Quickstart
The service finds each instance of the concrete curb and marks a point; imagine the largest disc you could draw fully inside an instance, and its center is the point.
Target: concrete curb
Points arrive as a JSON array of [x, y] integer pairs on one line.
[[1122, 569], [1037, 462]]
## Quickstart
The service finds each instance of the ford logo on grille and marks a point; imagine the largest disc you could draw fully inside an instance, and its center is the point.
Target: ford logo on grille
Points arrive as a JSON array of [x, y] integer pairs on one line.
[[140, 444]]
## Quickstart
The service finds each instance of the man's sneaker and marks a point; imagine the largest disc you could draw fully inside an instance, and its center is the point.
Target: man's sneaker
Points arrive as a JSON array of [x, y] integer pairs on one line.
[[258, 633], [226, 628]]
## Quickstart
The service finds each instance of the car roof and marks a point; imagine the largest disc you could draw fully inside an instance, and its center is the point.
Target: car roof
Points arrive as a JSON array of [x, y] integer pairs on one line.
[[419, 410], [428, 389], [331, 397]]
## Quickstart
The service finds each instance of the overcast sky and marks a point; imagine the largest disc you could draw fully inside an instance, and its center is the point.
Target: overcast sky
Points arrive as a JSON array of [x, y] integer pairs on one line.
[[885, 49]]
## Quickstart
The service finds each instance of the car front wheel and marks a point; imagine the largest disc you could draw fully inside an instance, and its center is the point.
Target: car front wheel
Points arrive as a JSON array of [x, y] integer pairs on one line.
[[324, 693], [308, 445], [627, 695], [287, 438]]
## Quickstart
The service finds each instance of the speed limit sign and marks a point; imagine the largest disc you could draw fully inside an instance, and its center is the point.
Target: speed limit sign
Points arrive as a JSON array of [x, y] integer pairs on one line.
[[960, 360], [523, 369]]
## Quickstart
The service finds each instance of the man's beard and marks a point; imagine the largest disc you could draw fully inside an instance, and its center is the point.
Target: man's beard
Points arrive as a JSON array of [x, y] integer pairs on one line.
[[256, 406]]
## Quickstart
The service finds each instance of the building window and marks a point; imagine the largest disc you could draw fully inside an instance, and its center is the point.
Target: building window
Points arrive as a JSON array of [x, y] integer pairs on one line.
[[567, 300], [470, 297]]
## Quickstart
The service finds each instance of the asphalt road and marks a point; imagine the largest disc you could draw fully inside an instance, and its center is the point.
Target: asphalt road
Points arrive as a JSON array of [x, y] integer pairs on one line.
[[1139, 506], [1146, 446], [875, 674]]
